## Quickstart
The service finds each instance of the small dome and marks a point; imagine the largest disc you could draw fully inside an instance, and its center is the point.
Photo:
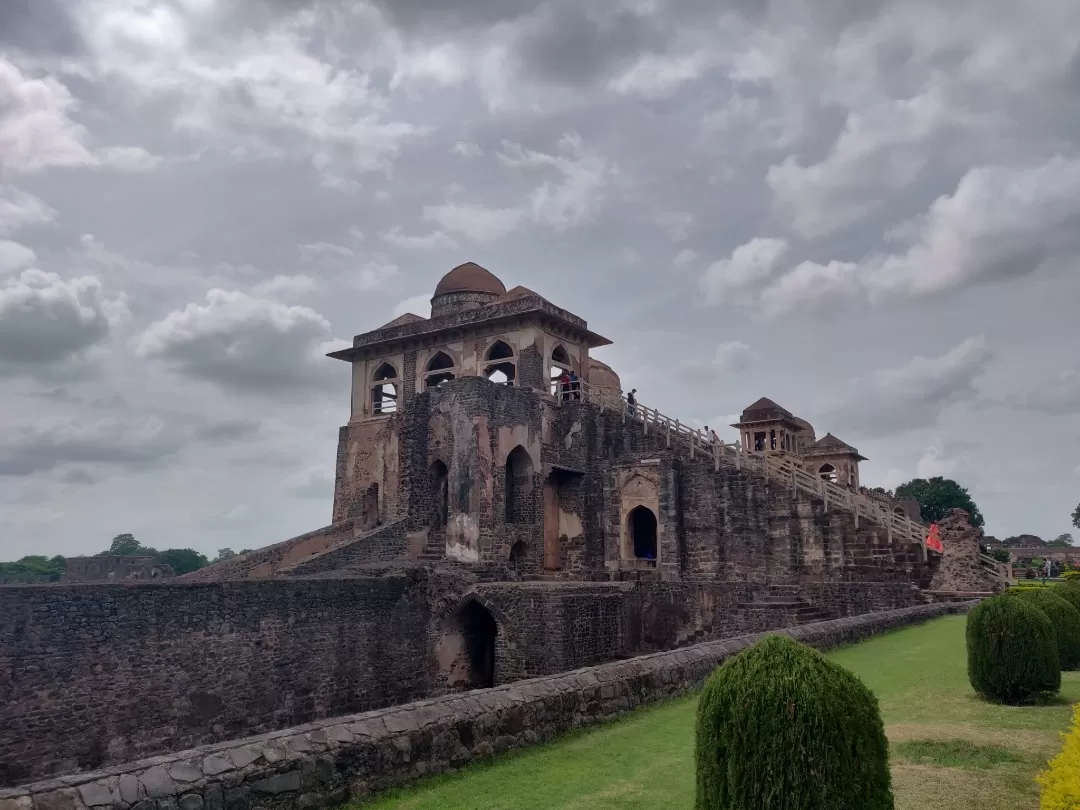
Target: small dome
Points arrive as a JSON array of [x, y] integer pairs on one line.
[[805, 427], [603, 376], [470, 277]]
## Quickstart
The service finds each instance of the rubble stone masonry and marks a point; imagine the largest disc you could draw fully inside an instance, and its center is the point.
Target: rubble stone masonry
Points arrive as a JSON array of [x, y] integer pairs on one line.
[[334, 760]]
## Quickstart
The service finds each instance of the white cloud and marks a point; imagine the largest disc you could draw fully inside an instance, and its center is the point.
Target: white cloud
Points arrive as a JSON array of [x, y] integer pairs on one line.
[[14, 256], [467, 150], [127, 158], [247, 344], [19, 209], [684, 257], [749, 265], [35, 130], [583, 179], [476, 222], [933, 463], [676, 224], [417, 305], [285, 286], [810, 288], [431, 241], [252, 93], [1001, 222], [732, 356], [881, 150], [915, 394], [373, 275]]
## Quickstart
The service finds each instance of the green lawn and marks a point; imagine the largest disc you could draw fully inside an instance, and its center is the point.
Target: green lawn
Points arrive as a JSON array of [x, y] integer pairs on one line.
[[950, 751]]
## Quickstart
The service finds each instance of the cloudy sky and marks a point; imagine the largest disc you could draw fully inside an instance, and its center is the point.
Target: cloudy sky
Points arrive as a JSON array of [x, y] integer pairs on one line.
[[867, 210]]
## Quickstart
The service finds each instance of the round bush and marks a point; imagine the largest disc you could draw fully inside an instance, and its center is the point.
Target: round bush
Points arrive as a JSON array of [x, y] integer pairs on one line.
[[1012, 651], [1069, 590], [1064, 617], [780, 727]]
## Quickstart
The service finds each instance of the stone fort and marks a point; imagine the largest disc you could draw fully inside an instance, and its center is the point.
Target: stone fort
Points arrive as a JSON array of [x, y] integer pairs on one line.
[[494, 519]]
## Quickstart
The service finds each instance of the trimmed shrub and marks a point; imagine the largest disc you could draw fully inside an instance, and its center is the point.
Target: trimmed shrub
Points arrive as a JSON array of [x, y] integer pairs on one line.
[[1012, 651], [1060, 782], [1069, 591], [1064, 617], [780, 727]]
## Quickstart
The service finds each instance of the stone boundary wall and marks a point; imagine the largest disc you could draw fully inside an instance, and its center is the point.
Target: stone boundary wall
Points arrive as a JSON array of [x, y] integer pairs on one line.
[[265, 562], [331, 761]]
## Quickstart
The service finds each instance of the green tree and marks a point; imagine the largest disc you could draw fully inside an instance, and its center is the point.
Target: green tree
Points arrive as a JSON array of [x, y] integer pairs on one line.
[[125, 545], [1063, 540], [1076, 516], [224, 554], [182, 560], [245, 551], [937, 495]]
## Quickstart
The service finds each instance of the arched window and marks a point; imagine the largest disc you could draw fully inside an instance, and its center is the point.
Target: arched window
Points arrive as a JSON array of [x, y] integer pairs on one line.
[[560, 364], [899, 510], [440, 368], [500, 367], [384, 392], [519, 485], [440, 487], [827, 472], [641, 526]]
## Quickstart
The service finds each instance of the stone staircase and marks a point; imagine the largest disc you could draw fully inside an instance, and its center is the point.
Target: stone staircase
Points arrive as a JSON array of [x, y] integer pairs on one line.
[[774, 467], [786, 599], [435, 547]]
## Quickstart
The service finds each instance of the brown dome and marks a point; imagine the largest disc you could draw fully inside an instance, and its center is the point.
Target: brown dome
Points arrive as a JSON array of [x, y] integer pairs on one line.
[[469, 277]]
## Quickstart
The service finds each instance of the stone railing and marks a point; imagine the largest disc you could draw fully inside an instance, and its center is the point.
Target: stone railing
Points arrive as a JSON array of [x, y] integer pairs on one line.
[[332, 761], [999, 569], [773, 466]]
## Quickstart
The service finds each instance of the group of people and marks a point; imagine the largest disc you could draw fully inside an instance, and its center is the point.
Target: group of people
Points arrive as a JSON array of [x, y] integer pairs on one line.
[[569, 386]]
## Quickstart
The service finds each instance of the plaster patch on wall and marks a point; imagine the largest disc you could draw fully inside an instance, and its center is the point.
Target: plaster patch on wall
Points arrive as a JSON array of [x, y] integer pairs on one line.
[[462, 544], [574, 430], [570, 525]]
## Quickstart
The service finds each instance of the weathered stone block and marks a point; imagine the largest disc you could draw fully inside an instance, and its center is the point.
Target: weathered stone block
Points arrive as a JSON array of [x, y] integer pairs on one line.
[[157, 783], [279, 783]]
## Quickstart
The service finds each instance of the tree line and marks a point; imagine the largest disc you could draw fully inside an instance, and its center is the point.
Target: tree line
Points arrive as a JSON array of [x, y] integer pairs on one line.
[[50, 569]]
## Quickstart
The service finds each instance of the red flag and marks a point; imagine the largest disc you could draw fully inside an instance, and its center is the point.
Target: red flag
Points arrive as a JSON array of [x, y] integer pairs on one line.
[[933, 540]]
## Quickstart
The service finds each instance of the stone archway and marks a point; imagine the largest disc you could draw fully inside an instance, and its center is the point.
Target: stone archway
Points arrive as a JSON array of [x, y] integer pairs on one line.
[[466, 650], [641, 529]]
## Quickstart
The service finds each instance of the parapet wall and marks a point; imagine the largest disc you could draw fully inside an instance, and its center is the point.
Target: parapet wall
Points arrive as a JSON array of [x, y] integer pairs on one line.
[[96, 675], [266, 562], [331, 761]]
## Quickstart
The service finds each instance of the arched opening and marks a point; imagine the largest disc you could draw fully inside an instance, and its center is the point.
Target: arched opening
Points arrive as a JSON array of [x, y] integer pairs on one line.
[[440, 369], [899, 510], [500, 366], [440, 487], [641, 524], [519, 485], [827, 472], [560, 368], [519, 553], [467, 648], [384, 393]]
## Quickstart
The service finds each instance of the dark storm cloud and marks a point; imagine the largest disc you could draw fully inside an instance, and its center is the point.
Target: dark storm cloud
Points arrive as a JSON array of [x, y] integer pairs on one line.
[[42, 27], [567, 44]]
